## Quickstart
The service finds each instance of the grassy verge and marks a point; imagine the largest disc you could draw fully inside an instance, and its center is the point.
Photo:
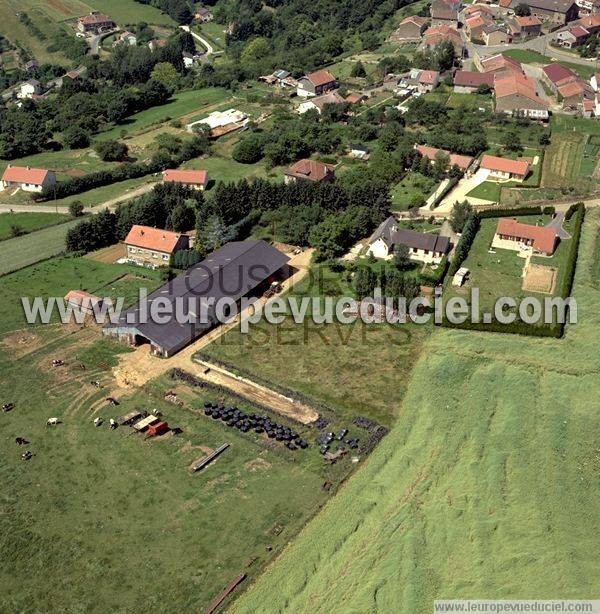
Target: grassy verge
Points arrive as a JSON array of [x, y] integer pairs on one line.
[[28, 222]]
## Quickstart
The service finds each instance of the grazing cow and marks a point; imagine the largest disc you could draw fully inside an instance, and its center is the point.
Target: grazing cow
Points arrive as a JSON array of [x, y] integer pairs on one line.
[[97, 421], [8, 406], [113, 424], [95, 383], [57, 362], [52, 422], [20, 441], [26, 455]]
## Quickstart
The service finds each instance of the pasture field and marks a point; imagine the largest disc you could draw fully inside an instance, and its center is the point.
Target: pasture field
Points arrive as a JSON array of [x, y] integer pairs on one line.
[[116, 522], [500, 274], [182, 103], [486, 487], [65, 162], [28, 222], [21, 252], [131, 12], [328, 362]]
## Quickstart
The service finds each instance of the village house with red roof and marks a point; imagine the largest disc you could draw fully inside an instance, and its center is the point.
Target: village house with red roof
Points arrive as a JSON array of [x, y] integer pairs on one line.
[[516, 94], [316, 83], [309, 170], [511, 234], [432, 153], [504, 168], [193, 179], [153, 247], [27, 179], [95, 22], [410, 29]]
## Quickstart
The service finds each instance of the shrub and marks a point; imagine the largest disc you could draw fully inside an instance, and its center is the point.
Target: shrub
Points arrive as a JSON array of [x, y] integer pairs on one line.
[[464, 245], [111, 151], [76, 208]]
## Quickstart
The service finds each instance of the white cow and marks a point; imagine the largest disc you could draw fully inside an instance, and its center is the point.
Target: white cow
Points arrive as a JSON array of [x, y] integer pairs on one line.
[[52, 422]]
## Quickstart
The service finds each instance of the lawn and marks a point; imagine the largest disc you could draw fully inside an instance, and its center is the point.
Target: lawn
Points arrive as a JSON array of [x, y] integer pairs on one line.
[[222, 168], [83, 161], [213, 33], [486, 487], [488, 190], [413, 186], [28, 222], [474, 101], [23, 251], [181, 104], [131, 12]]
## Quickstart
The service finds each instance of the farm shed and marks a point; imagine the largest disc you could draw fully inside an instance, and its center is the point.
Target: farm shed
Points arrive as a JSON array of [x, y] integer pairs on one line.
[[237, 269], [82, 301], [144, 423], [160, 428]]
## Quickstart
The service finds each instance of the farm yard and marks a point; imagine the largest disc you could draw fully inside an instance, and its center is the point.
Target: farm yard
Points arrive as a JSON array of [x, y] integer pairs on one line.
[[494, 450]]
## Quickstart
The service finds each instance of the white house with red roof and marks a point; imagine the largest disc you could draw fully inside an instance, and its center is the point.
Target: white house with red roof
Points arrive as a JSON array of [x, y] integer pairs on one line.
[[428, 80], [316, 83], [153, 247], [511, 234], [504, 168], [27, 179], [193, 179]]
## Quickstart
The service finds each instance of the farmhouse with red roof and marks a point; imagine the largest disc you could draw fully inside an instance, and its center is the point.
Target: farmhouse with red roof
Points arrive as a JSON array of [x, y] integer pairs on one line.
[[511, 234], [193, 179], [309, 170], [27, 179], [316, 83], [95, 22], [153, 247]]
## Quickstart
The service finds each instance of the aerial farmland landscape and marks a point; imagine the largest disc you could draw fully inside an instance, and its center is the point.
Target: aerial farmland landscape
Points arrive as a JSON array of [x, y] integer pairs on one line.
[[299, 306]]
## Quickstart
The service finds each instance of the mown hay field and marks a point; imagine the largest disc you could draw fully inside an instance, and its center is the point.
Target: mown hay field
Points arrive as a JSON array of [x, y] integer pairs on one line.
[[487, 486]]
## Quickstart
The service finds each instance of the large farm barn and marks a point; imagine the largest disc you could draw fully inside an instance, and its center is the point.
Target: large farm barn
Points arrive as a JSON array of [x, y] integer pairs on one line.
[[238, 269]]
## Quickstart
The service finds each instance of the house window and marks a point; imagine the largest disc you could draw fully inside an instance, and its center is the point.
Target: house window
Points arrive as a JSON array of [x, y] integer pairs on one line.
[[427, 252], [165, 256], [154, 255]]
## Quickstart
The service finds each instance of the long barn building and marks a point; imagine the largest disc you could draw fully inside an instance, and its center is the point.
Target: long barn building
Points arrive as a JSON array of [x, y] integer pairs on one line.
[[238, 269]]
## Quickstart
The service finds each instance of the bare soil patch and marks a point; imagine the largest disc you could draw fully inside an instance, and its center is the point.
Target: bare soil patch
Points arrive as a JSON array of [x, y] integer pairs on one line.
[[257, 463], [109, 254], [22, 342], [539, 278]]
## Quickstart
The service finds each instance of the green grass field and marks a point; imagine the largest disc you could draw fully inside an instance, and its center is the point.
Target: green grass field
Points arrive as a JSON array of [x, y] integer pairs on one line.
[[28, 222], [486, 488], [131, 12], [23, 251], [414, 185], [591, 156]]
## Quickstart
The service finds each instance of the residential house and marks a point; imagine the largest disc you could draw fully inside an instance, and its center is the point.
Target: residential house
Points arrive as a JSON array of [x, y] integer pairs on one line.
[[479, 9], [410, 29], [157, 43], [316, 83], [193, 179], [356, 98], [153, 247], [522, 27], [475, 25], [428, 80], [573, 92], [203, 15], [590, 22], [575, 36], [309, 170], [221, 122], [444, 13], [432, 153], [498, 64], [318, 102], [424, 247], [558, 12], [95, 23], [191, 59], [29, 89], [591, 107], [437, 34], [511, 234], [553, 74], [27, 179], [503, 169], [495, 34], [516, 94], [31, 65], [282, 78], [466, 81]]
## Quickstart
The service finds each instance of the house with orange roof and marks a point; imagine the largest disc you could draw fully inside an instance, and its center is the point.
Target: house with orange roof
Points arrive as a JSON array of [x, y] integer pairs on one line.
[[573, 92], [80, 300], [443, 32], [504, 169], [95, 23], [153, 247], [526, 26], [475, 25], [27, 179], [479, 9], [516, 94], [514, 235], [193, 179], [590, 22], [498, 64], [309, 170], [432, 153], [316, 83], [428, 80]]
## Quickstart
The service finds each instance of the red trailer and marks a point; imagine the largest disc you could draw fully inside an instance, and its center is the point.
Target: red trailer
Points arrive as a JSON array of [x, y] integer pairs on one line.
[[157, 429]]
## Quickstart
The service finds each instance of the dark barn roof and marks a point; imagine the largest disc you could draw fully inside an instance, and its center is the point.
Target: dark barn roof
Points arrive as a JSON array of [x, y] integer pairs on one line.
[[389, 232], [232, 271]]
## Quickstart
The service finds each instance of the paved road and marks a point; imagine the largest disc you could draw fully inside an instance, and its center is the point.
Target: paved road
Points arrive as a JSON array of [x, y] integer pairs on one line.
[[49, 208], [209, 48]]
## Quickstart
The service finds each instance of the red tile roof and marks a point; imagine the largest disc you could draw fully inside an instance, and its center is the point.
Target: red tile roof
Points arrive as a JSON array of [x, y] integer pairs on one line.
[[153, 238], [500, 62], [557, 72], [515, 84], [320, 77], [463, 162], [436, 34], [428, 77], [467, 78], [478, 21], [528, 20], [419, 21], [25, 174], [573, 88], [309, 169], [578, 31], [473, 9], [185, 176], [77, 297], [544, 239], [504, 165], [94, 18]]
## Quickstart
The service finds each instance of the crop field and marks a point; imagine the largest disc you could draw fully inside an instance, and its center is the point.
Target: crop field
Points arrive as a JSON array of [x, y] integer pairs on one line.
[[500, 273], [116, 522], [23, 251], [28, 222], [485, 488], [562, 160]]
